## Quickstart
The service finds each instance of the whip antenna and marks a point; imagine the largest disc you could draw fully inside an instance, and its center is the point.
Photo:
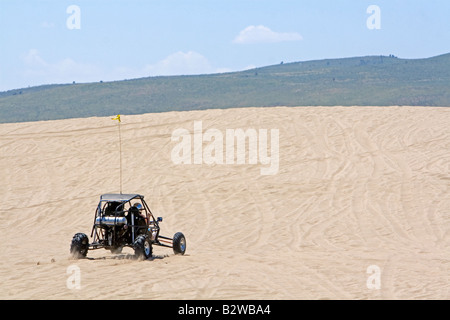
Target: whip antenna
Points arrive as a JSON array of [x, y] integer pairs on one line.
[[120, 150]]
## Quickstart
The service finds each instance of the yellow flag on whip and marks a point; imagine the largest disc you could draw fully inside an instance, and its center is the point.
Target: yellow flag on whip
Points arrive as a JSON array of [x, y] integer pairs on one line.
[[116, 118]]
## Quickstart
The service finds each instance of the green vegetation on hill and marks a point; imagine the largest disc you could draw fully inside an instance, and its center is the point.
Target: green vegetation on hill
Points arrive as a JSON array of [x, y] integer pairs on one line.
[[363, 81]]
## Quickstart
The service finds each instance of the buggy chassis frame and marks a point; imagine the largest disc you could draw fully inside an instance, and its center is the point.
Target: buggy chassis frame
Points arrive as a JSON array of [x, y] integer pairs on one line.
[[151, 226]]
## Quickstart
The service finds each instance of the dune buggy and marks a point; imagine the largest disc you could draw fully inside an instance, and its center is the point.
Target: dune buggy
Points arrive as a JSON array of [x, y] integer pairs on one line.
[[125, 220]]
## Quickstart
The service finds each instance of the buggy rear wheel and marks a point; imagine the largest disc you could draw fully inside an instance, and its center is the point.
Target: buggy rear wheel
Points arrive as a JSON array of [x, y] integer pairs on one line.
[[79, 246], [143, 247], [179, 243]]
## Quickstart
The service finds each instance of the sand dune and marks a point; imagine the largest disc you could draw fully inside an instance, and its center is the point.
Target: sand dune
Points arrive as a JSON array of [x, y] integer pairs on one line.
[[356, 187]]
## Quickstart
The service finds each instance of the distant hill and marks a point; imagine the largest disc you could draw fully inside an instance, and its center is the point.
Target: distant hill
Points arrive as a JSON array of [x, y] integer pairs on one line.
[[363, 81]]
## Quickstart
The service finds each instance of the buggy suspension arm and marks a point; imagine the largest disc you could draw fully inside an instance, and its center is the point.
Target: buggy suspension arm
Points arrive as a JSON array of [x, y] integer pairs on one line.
[[164, 242]]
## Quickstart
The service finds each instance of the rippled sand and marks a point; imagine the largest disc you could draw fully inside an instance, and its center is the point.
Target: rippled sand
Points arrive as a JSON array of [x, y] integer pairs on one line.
[[359, 207]]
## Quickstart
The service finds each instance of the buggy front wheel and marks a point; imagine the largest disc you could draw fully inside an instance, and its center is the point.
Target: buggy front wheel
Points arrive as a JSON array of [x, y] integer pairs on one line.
[[179, 243], [143, 247], [79, 246]]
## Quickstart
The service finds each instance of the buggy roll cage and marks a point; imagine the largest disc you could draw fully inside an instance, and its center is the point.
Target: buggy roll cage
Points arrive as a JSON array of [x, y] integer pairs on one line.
[[151, 224]]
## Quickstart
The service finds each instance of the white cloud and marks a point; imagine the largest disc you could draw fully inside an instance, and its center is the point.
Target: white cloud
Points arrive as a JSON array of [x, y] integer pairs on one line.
[[250, 67], [262, 34], [180, 63], [40, 71], [47, 25], [223, 70], [32, 58]]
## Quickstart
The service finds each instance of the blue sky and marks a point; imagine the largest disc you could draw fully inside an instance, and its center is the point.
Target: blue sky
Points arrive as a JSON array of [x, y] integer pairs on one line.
[[118, 39]]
